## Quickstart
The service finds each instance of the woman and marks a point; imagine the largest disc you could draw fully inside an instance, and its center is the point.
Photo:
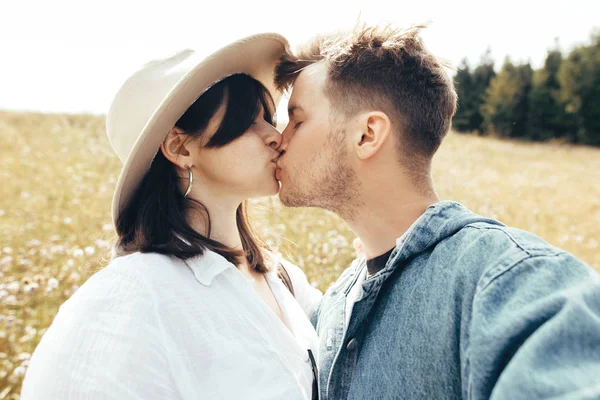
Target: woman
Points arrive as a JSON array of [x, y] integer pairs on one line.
[[191, 306]]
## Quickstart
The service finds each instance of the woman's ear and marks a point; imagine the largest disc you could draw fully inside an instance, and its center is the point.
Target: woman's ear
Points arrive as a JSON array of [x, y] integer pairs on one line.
[[174, 148]]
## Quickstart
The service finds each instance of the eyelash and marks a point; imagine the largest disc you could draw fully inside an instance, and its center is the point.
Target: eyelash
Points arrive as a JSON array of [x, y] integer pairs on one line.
[[297, 125]]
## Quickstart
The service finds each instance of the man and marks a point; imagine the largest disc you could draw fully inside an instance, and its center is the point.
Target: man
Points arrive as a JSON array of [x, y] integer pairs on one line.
[[449, 304]]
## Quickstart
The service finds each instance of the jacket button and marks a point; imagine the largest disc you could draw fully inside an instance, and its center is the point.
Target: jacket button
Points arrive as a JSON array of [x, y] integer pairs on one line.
[[351, 346]]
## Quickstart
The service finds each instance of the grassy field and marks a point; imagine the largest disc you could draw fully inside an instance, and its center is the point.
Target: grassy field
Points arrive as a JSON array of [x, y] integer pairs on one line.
[[58, 172]]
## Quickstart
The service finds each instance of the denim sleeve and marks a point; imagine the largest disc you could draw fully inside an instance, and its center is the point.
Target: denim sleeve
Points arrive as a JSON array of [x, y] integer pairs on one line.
[[535, 332]]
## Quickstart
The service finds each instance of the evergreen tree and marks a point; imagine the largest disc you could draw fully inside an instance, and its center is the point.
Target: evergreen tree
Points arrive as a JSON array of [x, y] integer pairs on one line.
[[506, 105], [547, 116]]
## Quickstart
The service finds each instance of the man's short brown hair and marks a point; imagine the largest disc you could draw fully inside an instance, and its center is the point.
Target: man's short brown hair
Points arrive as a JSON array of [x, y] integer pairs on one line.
[[386, 69]]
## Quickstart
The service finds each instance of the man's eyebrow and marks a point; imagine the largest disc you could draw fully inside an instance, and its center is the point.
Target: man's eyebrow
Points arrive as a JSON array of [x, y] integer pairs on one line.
[[293, 109]]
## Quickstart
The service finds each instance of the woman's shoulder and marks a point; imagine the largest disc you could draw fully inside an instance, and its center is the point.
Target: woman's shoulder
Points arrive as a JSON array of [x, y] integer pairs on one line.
[[295, 272], [138, 260], [111, 319], [147, 267], [127, 276], [306, 294], [277, 260]]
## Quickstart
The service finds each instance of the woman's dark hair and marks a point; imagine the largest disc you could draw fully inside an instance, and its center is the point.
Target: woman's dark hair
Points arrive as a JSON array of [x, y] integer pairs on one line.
[[154, 218]]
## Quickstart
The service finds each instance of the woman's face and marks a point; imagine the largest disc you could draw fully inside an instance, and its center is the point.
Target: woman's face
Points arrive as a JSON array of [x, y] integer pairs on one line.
[[242, 169]]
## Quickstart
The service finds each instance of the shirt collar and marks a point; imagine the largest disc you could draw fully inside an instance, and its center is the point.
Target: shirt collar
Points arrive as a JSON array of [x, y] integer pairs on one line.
[[208, 266]]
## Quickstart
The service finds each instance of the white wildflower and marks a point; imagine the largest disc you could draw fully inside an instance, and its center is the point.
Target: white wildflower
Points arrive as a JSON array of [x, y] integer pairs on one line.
[[34, 243], [89, 250], [59, 248], [103, 244], [6, 260], [25, 262], [52, 283], [13, 286], [563, 239], [68, 220], [77, 253]]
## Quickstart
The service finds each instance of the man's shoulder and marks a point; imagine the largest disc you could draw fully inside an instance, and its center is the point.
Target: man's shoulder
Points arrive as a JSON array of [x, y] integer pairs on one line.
[[488, 234], [500, 243], [491, 251]]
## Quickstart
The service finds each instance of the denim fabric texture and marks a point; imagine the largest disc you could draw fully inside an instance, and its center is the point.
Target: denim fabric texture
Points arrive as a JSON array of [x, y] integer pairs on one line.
[[466, 308]]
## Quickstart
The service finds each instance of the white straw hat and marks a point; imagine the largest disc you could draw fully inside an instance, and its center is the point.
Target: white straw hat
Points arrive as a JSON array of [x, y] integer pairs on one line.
[[151, 101]]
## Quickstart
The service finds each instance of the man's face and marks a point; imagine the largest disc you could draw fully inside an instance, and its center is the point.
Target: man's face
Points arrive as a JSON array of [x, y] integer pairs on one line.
[[314, 170]]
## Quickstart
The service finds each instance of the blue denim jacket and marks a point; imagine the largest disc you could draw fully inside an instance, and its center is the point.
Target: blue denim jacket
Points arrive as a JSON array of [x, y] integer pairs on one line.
[[464, 308]]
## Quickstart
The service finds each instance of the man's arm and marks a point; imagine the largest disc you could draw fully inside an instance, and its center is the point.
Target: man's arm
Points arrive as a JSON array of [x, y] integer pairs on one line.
[[535, 332]]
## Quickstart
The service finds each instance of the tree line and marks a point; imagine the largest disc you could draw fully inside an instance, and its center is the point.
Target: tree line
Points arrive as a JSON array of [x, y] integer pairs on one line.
[[561, 100]]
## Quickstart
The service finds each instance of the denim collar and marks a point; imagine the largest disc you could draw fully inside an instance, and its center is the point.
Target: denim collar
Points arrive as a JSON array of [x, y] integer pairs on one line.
[[439, 221]]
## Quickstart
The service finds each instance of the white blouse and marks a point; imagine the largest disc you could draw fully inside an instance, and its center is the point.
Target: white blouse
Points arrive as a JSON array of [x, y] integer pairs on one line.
[[150, 326]]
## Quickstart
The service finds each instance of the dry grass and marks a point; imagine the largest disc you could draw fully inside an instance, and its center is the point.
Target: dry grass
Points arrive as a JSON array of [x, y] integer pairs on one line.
[[57, 175]]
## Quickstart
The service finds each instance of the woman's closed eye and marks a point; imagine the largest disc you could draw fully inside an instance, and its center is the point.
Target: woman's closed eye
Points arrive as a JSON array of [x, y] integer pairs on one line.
[[265, 118]]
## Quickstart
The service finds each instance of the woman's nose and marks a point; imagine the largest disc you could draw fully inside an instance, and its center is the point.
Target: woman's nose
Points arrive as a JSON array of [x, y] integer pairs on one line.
[[273, 139]]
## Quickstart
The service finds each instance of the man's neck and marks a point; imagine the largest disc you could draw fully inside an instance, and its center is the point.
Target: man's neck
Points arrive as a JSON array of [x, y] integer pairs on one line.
[[387, 215]]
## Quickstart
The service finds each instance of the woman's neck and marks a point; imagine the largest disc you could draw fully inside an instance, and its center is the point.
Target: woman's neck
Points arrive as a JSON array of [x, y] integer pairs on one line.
[[223, 223]]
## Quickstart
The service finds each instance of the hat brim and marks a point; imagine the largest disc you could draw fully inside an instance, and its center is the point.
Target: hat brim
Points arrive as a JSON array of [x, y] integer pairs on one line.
[[255, 55]]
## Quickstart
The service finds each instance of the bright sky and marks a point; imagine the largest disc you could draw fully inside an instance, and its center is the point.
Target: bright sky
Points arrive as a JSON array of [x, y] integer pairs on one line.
[[72, 55]]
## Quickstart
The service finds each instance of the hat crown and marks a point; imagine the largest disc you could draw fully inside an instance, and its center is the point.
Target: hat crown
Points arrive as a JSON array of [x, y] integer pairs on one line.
[[140, 96]]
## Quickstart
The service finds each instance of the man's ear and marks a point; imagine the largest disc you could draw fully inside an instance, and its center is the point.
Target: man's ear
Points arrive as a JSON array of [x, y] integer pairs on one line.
[[373, 130], [174, 148]]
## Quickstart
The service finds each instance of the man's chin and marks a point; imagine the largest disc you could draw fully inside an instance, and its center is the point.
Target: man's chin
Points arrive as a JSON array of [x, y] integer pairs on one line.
[[283, 198], [287, 199]]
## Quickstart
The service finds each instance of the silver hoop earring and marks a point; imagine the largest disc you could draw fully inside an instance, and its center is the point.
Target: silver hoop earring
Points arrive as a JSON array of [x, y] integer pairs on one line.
[[190, 181]]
